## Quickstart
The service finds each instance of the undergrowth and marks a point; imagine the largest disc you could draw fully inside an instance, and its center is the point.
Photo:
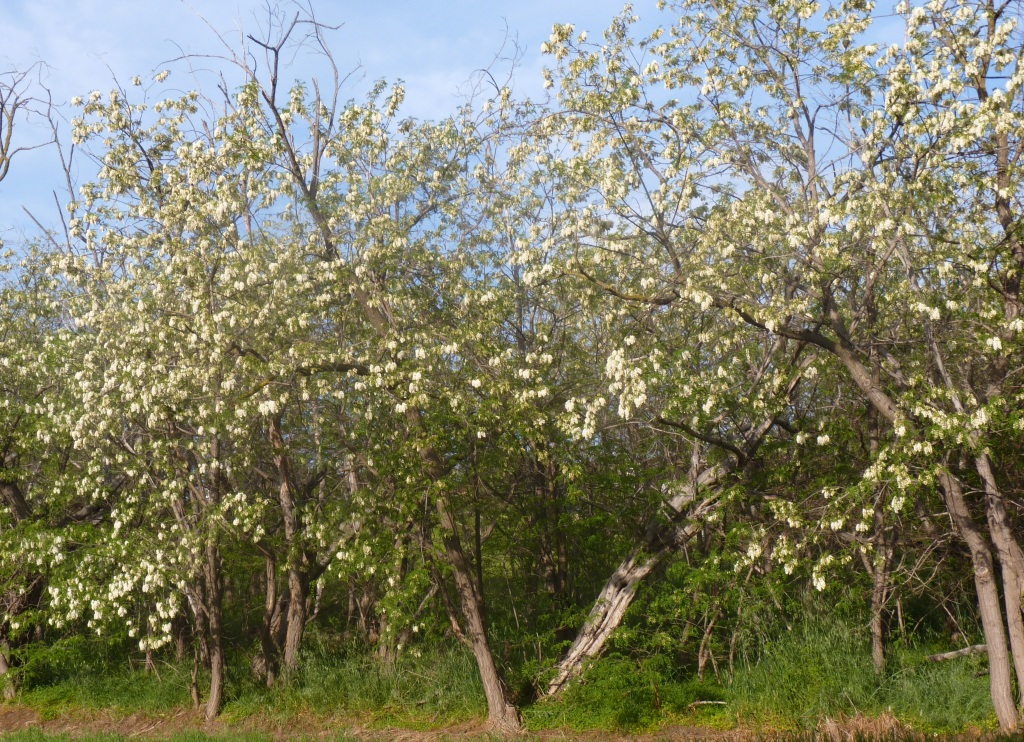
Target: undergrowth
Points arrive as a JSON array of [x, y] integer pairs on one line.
[[818, 670]]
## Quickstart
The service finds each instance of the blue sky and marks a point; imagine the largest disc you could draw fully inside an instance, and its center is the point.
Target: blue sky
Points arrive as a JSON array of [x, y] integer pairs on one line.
[[434, 46]]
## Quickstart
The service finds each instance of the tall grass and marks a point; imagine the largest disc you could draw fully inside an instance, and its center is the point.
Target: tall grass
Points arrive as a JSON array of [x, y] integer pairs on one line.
[[419, 690], [819, 669], [823, 669], [435, 688]]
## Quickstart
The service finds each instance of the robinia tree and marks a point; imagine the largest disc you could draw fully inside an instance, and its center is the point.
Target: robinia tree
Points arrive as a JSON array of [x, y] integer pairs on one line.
[[817, 184]]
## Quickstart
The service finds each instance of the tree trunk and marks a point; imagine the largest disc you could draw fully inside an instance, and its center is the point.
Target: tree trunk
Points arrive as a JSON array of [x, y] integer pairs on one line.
[[214, 612], [1000, 673], [501, 712], [659, 541], [271, 611], [298, 592], [298, 582], [1011, 563], [10, 689], [606, 615], [879, 593]]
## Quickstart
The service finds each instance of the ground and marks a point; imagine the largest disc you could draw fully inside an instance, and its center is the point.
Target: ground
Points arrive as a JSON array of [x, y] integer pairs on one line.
[[190, 723]]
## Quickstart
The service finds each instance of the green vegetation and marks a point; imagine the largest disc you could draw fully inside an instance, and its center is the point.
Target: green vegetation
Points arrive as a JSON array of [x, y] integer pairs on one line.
[[818, 670], [692, 394]]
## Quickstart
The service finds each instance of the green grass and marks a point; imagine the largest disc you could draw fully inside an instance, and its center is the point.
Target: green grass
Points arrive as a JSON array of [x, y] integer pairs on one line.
[[819, 669], [823, 669], [628, 695], [434, 689]]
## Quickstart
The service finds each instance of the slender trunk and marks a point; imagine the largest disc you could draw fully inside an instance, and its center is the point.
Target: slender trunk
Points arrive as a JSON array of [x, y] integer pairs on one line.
[[879, 593], [271, 610], [214, 608], [881, 567], [298, 582], [704, 652], [10, 690], [1011, 564], [1000, 673], [449, 606], [502, 713]]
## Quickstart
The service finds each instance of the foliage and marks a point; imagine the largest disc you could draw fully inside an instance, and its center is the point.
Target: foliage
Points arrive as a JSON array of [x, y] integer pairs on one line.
[[731, 321]]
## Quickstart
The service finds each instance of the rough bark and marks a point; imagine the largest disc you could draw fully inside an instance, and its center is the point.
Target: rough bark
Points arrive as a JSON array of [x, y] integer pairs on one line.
[[1000, 673], [611, 605], [214, 594], [1011, 564], [298, 592], [298, 582], [502, 714], [617, 595], [271, 616], [9, 688], [685, 520]]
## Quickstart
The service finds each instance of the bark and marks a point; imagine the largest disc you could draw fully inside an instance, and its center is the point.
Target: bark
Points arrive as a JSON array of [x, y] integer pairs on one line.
[[214, 595], [881, 568], [11, 493], [449, 606], [879, 593], [9, 687], [1000, 673], [685, 521], [298, 582], [298, 592], [973, 649], [502, 714], [271, 615], [617, 595], [1011, 564], [606, 615]]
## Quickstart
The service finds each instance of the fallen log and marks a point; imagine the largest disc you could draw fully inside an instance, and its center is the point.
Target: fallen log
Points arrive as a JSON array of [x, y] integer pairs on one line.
[[973, 649]]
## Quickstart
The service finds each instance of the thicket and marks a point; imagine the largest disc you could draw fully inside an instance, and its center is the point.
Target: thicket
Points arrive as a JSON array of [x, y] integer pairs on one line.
[[710, 363]]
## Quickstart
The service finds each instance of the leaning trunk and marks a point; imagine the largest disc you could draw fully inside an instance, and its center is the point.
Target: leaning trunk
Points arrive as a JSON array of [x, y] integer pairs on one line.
[[606, 615], [271, 617]]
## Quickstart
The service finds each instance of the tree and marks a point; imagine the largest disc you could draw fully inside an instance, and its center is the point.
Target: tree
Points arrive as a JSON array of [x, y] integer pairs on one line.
[[815, 188]]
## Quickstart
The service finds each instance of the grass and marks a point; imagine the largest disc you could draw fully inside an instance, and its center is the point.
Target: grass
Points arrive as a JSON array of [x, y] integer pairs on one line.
[[817, 671], [434, 689], [418, 692], [821, 670], [36, 735]]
